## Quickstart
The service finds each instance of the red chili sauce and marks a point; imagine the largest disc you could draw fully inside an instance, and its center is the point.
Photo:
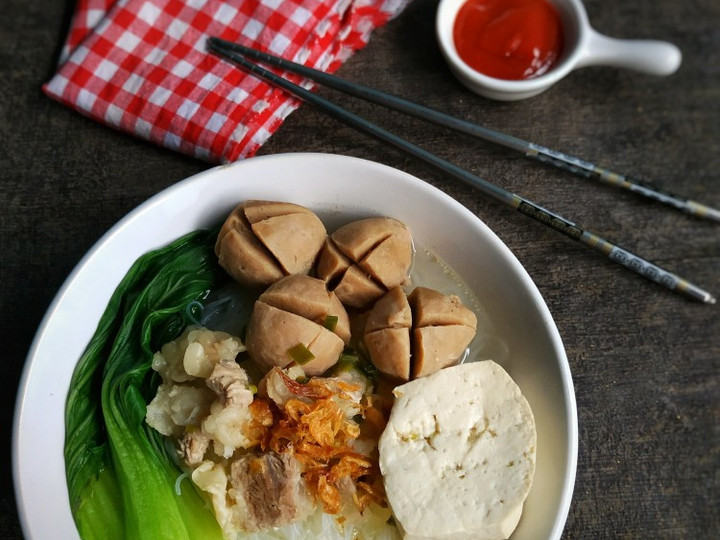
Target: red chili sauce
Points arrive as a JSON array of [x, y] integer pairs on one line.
[[508, 39]]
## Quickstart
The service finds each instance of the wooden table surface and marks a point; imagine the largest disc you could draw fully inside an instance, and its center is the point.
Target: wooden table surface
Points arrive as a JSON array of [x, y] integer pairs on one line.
[[645, 361]]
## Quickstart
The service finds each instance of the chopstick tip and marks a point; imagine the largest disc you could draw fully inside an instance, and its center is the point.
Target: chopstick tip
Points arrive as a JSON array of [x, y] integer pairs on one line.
[[703, 211], [216, 44]]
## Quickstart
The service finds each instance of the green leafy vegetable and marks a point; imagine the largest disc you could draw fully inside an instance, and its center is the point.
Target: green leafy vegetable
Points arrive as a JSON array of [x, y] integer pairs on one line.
[[352, 360], [120, 475]]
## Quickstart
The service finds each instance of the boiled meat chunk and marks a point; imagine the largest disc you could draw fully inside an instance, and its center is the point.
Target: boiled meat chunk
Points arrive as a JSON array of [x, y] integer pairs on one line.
[[263, 241], [269, 490], [362, 260]]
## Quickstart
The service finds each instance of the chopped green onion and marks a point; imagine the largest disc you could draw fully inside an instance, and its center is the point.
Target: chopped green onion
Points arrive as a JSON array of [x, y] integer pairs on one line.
[[346, 362], [331, 322], [300, 354], [369, 369], [348, 357]]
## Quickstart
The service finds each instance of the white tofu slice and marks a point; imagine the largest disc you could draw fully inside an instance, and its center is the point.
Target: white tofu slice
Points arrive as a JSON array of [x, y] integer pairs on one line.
[[458, 454]]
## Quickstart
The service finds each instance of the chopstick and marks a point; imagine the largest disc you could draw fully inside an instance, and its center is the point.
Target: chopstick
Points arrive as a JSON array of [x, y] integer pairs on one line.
[[612, 251], [531, 150]]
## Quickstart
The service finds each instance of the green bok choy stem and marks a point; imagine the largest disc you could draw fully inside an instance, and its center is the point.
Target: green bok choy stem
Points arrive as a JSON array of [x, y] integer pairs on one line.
[[120, 476]]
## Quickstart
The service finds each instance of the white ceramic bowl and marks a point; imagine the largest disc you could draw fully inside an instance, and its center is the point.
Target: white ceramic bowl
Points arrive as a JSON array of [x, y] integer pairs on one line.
[[339, 189], [583, 47]]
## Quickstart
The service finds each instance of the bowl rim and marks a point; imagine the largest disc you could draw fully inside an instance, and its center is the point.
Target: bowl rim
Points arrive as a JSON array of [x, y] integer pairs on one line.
[[193, 182]]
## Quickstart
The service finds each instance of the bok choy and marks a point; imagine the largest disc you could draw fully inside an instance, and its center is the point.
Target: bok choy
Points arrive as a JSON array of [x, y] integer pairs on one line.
[[121, 476]]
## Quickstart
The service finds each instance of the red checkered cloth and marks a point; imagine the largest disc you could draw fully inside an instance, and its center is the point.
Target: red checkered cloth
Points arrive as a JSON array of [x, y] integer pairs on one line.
[[141, 66]]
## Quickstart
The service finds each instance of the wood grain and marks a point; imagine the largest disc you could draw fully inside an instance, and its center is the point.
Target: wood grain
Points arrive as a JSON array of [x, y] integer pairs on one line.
[[645, 362]]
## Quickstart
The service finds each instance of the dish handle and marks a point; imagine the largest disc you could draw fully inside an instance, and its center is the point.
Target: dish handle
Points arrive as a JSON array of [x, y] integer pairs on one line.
[[645, 56]]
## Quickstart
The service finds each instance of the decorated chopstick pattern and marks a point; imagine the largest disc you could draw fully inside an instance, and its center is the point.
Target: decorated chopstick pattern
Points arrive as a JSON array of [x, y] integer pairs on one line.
[[591, 171], [531, 150], [613, 252]]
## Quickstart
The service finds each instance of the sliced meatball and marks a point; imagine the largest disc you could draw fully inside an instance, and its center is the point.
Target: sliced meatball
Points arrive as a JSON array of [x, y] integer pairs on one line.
[[416, 335], [263, 241], [295, 313], [362, 260]]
